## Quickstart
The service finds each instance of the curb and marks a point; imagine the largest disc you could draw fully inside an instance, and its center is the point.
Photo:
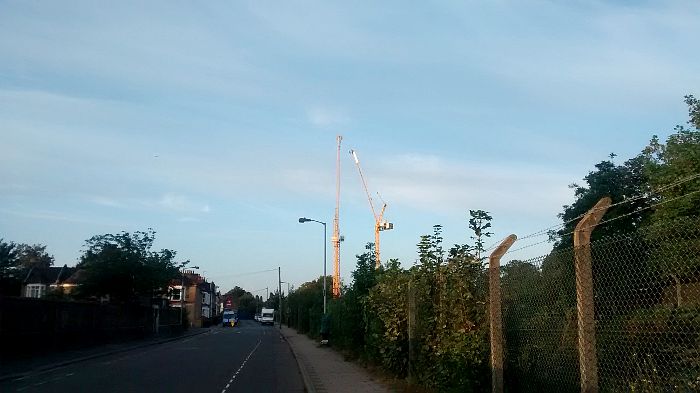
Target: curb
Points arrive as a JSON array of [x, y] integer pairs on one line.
[[308, 385], [53, 366]]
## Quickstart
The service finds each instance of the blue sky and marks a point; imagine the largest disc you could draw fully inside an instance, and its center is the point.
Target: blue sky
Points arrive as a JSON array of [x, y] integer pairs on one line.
[[215, 123]]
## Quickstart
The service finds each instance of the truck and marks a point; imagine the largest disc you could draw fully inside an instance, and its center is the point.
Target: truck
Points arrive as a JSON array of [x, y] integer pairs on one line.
[[267, 316], [229, 318]]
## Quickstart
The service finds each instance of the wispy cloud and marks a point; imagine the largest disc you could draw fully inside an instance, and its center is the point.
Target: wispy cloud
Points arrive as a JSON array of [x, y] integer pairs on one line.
[[325, 117], [432, 183], [108, 202], [182, 203], [49, 215], [173, 202]]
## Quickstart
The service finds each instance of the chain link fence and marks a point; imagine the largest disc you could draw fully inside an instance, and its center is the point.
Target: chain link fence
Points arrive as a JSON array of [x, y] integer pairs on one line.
[[646, 291]]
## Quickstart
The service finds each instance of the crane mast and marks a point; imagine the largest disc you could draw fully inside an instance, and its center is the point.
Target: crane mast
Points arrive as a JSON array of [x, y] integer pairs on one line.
[[336, 226], [379, 223]]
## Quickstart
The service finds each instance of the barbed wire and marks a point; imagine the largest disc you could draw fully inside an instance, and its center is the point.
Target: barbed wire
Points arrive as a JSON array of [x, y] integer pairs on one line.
[[608, 220], [494, 245], [528, 246], [637, 211], [680, 181]]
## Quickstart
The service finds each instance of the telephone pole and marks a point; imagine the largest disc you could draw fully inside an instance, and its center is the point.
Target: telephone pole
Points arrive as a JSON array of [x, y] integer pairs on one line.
[[279, 289]]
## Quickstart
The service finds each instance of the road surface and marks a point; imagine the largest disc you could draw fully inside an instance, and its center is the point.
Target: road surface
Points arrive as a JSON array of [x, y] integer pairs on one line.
[[248, 358]]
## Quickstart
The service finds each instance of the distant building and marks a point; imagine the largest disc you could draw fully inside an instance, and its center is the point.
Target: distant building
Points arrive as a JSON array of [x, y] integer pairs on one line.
[[42, 280], [199, 298]]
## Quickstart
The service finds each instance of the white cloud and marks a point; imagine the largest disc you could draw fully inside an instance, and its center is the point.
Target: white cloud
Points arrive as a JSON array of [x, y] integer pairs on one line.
[[181, 203], [431, 183], [325, 117], [107, 201]]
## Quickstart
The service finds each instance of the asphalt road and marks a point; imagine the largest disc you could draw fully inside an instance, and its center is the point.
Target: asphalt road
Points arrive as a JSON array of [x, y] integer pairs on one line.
[[248, 358]]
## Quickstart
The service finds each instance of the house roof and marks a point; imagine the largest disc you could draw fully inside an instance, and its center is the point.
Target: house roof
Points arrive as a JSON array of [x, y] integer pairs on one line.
[[75, 278], [49, 275]]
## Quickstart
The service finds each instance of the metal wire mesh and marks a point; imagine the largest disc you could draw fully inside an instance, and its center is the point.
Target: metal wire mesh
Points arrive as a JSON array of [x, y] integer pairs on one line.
[[539, 315], [647, 300], [646, 289]]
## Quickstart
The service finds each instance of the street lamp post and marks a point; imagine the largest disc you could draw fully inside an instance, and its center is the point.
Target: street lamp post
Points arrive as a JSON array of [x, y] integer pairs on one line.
[[303, 220]]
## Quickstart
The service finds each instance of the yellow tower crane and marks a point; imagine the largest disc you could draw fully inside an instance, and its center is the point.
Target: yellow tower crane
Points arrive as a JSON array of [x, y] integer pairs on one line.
[[336, 239], [379, 223]]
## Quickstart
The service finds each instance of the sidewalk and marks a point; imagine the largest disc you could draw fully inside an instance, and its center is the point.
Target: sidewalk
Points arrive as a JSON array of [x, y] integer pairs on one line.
[[325, 369], [17, 368]]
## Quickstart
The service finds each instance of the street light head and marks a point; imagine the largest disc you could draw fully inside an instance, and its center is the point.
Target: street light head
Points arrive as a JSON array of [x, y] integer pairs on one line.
[[303, 220]]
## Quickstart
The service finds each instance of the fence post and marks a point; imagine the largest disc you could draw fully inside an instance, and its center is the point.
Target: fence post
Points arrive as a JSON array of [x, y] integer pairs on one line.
[[585, 306], [411, 331], [495, 313]]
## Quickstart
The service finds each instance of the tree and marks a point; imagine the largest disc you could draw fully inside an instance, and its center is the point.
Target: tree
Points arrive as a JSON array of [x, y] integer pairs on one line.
[[34, 256], [9, 272], [125, 267], [8, 258], [621, 183], [479, 222], [15, 260], [364, 276], [246, 303], [693, 110]]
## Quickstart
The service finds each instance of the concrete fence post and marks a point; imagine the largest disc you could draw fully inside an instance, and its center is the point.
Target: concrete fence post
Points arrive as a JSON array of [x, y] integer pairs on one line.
[[496, 320], [411, 331], [585, 306]]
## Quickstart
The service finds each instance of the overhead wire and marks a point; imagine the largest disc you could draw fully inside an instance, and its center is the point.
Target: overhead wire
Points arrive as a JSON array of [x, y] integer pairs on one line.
[[246, 274]]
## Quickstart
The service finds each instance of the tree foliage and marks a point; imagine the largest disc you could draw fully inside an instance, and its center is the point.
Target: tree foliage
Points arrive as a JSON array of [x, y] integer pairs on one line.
[[33, 256], [370, 320], [479, 223], [645, 246], [124, 267], [15, 261]]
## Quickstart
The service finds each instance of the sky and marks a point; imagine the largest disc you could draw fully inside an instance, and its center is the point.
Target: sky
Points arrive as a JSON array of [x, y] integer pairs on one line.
[[215, 123]]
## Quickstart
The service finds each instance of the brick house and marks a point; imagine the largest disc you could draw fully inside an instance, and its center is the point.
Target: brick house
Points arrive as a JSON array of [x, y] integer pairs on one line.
[[199, 298]]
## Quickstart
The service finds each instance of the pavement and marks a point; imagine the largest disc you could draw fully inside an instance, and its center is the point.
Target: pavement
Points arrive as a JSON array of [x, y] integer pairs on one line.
[[325, 370], [247, 358]]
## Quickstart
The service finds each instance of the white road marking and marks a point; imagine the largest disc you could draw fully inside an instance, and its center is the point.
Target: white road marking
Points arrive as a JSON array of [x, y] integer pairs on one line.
[[242, 365]]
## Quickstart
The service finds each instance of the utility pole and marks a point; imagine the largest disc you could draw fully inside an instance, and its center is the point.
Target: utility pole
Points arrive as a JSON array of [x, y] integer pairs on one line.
[[324, 268], [279, 289], [182, 297]]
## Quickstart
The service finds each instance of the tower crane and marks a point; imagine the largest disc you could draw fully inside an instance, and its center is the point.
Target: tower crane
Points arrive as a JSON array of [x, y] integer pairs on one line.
[[336, 239], [379, 223]]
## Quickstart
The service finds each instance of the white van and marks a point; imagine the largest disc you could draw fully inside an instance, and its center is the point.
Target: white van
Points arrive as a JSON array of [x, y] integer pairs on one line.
[[267, 316]]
